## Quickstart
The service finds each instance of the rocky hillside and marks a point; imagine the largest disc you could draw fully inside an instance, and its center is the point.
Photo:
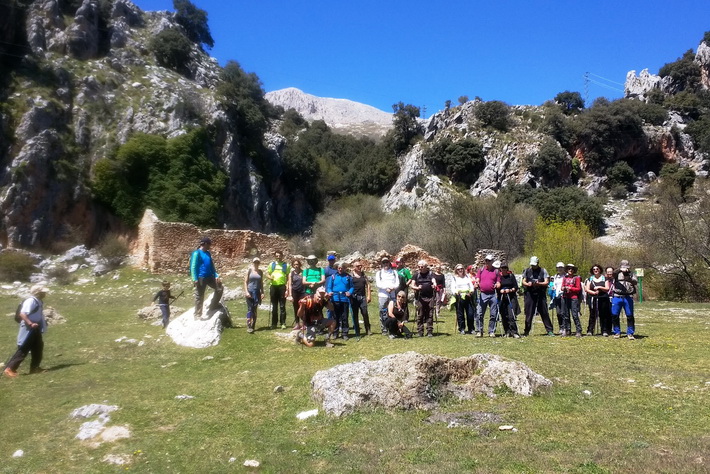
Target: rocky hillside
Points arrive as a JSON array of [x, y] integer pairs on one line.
[[85, 83], [342, 115]]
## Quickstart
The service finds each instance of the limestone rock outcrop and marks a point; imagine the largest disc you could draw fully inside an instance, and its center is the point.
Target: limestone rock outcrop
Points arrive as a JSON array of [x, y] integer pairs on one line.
[[416, 381], [187, 331]]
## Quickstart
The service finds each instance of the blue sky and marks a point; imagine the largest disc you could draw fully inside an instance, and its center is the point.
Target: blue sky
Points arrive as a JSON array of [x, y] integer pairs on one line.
[[425, 52]]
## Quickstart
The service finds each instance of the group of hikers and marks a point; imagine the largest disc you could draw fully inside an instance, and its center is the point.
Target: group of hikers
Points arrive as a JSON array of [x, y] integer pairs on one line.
[[344, 292]]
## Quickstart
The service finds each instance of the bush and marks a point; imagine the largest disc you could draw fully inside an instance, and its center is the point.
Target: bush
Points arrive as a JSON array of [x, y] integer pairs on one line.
[[621, 175], [61, 275], [684, 71], [16, 266], [548, 162], [558, 126], [194, 21], [677, 176], [172, 50], [112, 247], [699, 131], [569, 242], [494, 114], [461, 161], [570, 102]]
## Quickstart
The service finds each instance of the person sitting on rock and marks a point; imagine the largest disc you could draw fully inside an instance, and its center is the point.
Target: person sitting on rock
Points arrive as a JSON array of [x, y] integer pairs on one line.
[[310, 312]]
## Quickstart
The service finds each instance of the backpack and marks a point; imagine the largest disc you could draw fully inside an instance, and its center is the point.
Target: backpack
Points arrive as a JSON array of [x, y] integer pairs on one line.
[[18, 318]]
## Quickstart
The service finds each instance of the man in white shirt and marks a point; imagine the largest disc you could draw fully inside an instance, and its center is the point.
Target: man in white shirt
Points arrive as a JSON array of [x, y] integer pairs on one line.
[[387, 282]]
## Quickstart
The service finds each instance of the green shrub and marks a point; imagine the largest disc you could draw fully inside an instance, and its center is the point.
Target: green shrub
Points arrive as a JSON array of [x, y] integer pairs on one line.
[[194, 21], [678, 176], [548, 162], [61, 275], [570, 102], [684, 71], [112, 247], [699, 131], [494, 114], [558, 126], [461, 161], [685, 103], [16, 266], [621, 175], [569, 242], [172, 50]]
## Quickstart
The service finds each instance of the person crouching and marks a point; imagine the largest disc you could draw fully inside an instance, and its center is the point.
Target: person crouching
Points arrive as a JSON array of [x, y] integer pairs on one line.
[[310, 313]]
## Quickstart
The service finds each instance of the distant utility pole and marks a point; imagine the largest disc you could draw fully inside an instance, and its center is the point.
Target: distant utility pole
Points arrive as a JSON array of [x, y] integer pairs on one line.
[[586, 88], [423, 111]]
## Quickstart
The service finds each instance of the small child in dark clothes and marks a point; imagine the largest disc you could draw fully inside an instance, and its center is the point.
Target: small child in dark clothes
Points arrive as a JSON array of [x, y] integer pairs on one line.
[[164, 299]]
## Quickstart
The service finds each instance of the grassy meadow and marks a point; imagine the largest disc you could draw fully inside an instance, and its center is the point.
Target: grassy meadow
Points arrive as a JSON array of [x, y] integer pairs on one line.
[[648, 409]]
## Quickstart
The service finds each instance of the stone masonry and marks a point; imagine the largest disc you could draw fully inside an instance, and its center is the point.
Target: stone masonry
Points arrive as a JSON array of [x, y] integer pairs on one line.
[[164, 247]]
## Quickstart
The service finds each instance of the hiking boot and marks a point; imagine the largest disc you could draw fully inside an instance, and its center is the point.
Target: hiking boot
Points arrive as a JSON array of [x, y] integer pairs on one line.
[[631, 337], [250, 330], [589, 333], [617, 336], [578, 334], [479, 334], [283, 326], [563, 333], [392, 336], [491, 334], [516, 336], [549, 333], [429, 334], [345, 337], [329, 344], [462, 332], [606, 334], [506, 335], [10, 373]]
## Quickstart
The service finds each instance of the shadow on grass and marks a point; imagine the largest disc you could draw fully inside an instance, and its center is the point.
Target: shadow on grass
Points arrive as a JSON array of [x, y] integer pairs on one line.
[[63, 366]]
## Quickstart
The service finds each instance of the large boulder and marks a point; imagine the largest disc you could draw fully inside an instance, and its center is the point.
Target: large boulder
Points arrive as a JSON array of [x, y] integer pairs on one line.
[[187, 331], [419, 381]]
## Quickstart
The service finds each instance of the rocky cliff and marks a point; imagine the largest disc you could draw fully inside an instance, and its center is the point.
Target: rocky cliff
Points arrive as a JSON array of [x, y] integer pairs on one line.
[[85, 83]]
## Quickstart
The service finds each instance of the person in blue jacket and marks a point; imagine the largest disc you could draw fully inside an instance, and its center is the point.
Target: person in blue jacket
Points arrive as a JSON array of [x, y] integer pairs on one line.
[[203, 274], [339, 287]]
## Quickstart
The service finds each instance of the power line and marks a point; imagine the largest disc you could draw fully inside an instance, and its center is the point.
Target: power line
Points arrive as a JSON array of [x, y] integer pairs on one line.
[[604, 78], [601, 84]]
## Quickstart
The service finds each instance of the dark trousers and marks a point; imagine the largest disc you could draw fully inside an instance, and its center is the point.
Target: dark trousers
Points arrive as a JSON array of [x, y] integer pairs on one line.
[[33, 344], [507, 315], [297, 296], [424, 315], [536, 301], [464, 313], [571, 313], [559, 310], [200, 287], [165, 310], [393, 328], [277, 293], [599, 310], [340, 314], [359, 306]]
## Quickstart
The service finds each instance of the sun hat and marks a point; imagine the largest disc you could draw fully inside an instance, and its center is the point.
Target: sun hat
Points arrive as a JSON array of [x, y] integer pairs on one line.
[[38, 288]]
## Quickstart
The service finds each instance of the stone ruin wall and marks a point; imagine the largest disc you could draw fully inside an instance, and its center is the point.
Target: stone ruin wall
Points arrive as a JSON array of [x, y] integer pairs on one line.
[[164, 247]]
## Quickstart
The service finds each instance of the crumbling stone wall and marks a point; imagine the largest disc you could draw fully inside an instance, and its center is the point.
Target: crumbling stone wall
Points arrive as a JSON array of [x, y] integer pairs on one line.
[[164, 247]]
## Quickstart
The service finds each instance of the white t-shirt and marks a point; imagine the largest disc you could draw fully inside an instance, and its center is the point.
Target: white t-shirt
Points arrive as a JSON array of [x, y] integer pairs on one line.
[[386, 279], [32, 307]]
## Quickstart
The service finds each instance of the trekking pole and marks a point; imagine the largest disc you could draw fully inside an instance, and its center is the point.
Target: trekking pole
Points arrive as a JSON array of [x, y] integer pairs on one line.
[[178, 296]]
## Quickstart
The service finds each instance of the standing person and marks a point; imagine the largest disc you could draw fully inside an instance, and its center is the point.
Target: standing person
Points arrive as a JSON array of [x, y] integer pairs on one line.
[[571, 295], [360, 298], [462, 290], [329, 271], [535, 280], [277, 272], [623, 289], [164, 299], [254, 291], [295, 287], [313, 276], [310, 313], [488, 281], [508, 307], [204, 274], [405, 276], [597, 289], [29, 337], [387, 282], [440, 288], [339, 288], [395, 320], [556, 296], [423, 283]]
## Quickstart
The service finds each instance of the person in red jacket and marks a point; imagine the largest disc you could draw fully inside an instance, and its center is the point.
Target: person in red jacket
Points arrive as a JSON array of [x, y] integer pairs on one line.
[[571, 294]]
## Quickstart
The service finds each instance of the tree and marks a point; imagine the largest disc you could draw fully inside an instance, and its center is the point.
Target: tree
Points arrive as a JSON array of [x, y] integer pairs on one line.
[[548, 162], [406, 126], [571, 102], [194, 21], [461, 161], [463, 99], [684, 71], [678, 177], [172, 50], [494, 114], [621, 175]]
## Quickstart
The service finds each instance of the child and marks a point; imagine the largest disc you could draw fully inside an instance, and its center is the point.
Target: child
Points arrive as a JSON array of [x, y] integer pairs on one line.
[[164, 299]]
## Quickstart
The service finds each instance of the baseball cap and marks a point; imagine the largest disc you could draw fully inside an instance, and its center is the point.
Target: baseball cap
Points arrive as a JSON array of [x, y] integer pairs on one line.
[[536, 261], [205, 240], [496, 264], [560, 265], [489, 257], [624, 266], [331, 258]]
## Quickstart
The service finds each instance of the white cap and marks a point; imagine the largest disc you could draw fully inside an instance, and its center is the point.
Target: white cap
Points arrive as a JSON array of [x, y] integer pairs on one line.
[[535, 261], [496, 264], [489, 257], [560, 265]]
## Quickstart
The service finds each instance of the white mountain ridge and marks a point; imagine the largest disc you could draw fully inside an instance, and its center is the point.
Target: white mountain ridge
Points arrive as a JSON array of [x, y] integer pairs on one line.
[[342, 115]]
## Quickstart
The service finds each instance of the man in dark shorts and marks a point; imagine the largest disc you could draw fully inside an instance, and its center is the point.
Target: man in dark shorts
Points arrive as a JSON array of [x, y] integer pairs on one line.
[[310, 312]]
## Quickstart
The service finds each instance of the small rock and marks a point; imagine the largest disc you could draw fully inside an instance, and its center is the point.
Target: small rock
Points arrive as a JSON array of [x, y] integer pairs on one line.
[[252, 463], [506, 428], [307, 414], [587, 392], [232, 460], [278, 389], [631, 381], [18, 454], [117, 459], [207, 358], [184, 397]]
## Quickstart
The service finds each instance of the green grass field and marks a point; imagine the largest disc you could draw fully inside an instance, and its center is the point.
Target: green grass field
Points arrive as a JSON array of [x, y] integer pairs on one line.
[[648, 410]]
